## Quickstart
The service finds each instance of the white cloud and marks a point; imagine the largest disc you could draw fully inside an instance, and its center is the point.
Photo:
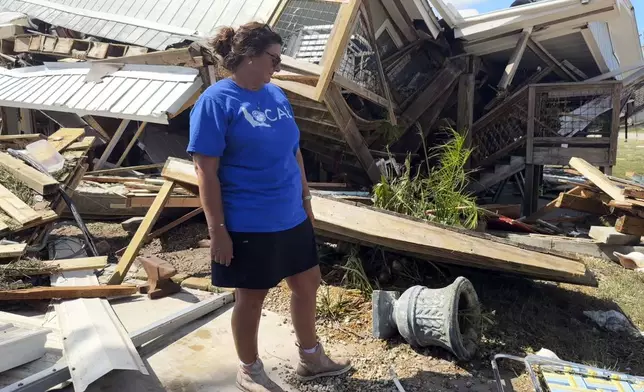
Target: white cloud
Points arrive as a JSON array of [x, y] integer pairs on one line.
[[465, 4]]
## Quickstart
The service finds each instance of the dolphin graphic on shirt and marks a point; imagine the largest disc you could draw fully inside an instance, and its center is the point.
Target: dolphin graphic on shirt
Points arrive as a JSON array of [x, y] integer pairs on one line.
[[257, 119]]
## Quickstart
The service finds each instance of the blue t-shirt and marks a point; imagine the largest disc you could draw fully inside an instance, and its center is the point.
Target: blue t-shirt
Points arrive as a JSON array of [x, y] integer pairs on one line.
[[255, 135]]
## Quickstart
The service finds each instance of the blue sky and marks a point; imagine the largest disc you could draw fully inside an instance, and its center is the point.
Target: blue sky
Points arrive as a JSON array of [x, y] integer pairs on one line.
[[490, 5]]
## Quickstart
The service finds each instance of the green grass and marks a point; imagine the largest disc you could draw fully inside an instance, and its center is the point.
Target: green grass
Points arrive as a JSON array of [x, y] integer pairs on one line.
[[630, 155]]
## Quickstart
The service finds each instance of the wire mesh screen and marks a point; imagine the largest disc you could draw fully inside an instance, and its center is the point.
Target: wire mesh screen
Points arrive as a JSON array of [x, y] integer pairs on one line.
[[577, 113], [305, 27], [359, 62], [507, 125], [638, 99]]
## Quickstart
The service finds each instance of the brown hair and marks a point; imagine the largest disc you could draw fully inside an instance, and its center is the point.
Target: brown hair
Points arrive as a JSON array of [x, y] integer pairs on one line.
[[250, 40]]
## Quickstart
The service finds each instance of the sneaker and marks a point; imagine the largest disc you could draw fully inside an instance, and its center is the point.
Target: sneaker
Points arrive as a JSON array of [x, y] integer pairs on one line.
[[318, 364], [254, 379]]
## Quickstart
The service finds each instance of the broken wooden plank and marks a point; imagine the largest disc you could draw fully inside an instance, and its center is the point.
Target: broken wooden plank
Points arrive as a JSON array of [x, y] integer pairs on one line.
[[84, 144], [427, 240], [582, 204], [515, 60], [141, 234], [34, 179], [12, 250], [16, 208], [175, 223], [630, 225], [147, 200], [636, 193], [62, 138], [97, 127], [598, 178], [67, 292]]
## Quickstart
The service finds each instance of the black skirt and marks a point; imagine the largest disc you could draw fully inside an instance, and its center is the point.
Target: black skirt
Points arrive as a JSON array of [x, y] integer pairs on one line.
[[262, 260]]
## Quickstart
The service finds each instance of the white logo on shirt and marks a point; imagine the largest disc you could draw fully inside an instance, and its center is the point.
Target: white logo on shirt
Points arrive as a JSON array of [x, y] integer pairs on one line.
[[257, 118]]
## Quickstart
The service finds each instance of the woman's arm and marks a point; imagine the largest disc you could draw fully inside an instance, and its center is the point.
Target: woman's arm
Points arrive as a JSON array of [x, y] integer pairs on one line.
[[306, 193], [207, 169]]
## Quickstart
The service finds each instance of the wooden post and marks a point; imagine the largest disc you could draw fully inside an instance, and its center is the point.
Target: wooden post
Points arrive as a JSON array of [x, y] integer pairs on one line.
[[529, 205], [142, 233], [515, 60], [26, 122], [465, 108], [614, 125], [136, 136], [336, 45], [334, 101], [110, 147]]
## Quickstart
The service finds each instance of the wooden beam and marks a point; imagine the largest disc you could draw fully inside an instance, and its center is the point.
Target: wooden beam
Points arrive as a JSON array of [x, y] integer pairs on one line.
[[297, 88], [83, 145], [175, 223], [630, 225], [83, 263], [141, 233], [358, 90], [465, 107], [277, 12], [112, 144], [338, 109], [34, 179], [598, 178], [374, 227], [181, 56], [132, 142], [70, 292], [551, 61], [64, 137], [575, 70], [16, 208], [515, 60], [336, 45], [615, 123], [144, 200], [590, 205], [597, 156], [97, 127], [128, 168]]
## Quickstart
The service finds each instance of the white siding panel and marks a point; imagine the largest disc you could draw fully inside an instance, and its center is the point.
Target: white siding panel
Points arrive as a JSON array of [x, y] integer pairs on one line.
[[602, 35], [135, 92]]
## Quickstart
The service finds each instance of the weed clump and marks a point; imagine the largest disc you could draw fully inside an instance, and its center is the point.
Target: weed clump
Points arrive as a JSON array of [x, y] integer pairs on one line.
[[437, 194]]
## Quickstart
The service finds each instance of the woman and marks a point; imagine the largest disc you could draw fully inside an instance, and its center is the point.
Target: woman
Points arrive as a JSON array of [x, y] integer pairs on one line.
[[252, 185]]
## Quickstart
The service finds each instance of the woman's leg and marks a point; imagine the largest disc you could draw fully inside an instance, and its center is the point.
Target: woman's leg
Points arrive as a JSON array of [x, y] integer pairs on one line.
[[314, 362], [245, 322], [304, 288]]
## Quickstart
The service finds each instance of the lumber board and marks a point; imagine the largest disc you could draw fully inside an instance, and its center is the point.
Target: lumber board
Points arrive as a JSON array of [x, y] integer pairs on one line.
[[79, 264], [598, 178], [513, 64], [64, 137], [12, 250], [175, 223], [582, 204], [112, 179], [637, 193], [71, 292], [16, 208], [132, 142], [34, 179], [630, 225], [147, 200], [128, 168], [142, 233], [84, 144], [427, 240]]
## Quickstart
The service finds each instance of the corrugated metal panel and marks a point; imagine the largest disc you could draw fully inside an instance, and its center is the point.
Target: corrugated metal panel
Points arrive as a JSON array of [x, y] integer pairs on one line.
[[601, 33], [95, 342], [152, 23], [136, 92]]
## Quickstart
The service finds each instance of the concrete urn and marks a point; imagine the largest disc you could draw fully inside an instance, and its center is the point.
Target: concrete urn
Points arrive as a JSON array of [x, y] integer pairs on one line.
[[449, 317]]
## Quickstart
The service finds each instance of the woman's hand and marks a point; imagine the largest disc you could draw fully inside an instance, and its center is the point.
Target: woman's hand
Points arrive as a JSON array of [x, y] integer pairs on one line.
[[309, 210], [221, 246]]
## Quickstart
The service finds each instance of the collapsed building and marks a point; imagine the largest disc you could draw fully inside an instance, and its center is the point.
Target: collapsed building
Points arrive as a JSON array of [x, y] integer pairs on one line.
[[371, 82]]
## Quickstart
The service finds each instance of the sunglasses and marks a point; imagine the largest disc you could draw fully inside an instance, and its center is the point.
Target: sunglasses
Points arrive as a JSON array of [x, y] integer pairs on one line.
[[277, 60]]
